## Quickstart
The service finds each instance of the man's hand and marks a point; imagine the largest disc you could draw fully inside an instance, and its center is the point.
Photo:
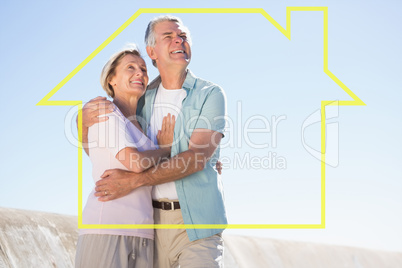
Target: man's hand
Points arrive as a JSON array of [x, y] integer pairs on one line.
[[90, 115], [95, 108], [219, 167], [116, 183]]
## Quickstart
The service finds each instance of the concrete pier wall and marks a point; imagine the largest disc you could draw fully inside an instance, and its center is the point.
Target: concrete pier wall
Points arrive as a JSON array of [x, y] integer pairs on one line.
[[38, 239], [270, 253]]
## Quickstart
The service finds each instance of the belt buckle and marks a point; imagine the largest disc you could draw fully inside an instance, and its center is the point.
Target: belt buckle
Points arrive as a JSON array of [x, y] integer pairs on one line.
[[171, 205]]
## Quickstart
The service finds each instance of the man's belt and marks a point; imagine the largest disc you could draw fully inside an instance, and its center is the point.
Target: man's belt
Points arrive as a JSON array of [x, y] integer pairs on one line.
[[166, 205]]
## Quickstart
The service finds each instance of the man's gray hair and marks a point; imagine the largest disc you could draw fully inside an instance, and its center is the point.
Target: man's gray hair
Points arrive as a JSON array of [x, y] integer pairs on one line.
[[150, 31]]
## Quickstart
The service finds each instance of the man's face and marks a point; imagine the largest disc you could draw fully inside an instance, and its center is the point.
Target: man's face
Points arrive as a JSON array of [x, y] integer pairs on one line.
[[171, 47]]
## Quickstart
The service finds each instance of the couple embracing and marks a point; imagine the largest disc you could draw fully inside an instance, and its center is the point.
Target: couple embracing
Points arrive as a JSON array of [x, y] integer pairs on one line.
[[154, 157]]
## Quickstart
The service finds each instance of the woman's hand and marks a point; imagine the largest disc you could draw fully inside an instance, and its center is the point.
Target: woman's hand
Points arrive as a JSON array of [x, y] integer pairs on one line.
[[116, 183], [165, 135]]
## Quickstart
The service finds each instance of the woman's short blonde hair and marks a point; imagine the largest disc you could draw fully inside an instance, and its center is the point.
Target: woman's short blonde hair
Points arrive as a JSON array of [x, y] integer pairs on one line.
[[109, 70]]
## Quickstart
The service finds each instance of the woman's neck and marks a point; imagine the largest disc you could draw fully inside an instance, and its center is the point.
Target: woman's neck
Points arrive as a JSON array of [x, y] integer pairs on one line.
[[128, 106]]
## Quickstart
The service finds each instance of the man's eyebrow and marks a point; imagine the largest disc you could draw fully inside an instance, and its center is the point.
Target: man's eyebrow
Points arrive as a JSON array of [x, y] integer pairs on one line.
[[169, 33]]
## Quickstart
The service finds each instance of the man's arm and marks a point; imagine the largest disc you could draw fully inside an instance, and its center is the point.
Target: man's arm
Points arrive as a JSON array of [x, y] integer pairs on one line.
[[203, 143], [118, 183], [204, 140], [90, 115]]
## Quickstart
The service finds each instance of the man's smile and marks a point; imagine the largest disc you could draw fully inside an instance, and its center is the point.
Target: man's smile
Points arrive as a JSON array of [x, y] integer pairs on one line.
[[177, 51]]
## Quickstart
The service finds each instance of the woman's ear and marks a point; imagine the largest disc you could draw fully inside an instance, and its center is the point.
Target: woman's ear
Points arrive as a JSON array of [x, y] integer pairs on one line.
[[112, 82]]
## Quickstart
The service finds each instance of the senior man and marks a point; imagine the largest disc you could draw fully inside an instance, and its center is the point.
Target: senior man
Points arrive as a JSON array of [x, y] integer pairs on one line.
[[187, 188]]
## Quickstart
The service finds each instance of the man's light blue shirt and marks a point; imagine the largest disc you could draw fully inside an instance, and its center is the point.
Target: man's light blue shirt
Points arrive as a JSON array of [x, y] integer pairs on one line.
[[200, 194]]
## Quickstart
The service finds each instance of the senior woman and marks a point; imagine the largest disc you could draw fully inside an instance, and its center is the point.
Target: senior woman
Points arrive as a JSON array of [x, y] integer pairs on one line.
[[120, 143]]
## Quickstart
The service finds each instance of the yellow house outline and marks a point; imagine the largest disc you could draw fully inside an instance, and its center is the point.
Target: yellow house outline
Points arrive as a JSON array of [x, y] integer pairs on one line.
[[286, 32]]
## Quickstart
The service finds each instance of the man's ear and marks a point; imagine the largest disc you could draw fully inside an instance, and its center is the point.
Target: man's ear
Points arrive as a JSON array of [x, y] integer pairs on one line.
[[151, 53]]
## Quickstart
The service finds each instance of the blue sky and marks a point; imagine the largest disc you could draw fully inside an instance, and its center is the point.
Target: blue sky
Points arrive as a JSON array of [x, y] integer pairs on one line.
[[264, 75]]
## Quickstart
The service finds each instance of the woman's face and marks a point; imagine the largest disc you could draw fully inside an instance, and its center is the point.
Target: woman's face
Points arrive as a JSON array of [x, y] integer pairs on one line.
[[131, 76]]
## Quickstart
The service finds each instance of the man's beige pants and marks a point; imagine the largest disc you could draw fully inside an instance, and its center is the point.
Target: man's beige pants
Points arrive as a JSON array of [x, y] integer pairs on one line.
[[174, 249]]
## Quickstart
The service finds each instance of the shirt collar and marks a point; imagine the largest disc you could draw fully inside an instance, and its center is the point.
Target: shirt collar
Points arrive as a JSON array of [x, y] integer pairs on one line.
[[189, 82]]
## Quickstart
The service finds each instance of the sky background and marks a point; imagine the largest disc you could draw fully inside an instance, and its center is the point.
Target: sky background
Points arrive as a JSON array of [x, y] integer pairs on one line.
[[266, 77]]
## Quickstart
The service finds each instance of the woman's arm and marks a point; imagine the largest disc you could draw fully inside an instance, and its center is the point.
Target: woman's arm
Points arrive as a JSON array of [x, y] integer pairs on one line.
[[137, 161]]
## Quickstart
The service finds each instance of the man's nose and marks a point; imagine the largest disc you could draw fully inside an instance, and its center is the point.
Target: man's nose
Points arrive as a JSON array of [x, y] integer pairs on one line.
[[178, 39]]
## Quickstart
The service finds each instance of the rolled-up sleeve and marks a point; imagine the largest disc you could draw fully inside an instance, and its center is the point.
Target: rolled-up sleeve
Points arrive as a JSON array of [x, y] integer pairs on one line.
[[213, 112]]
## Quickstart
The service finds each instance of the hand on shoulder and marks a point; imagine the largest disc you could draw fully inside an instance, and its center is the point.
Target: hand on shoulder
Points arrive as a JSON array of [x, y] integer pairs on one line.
[[95, 111]]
